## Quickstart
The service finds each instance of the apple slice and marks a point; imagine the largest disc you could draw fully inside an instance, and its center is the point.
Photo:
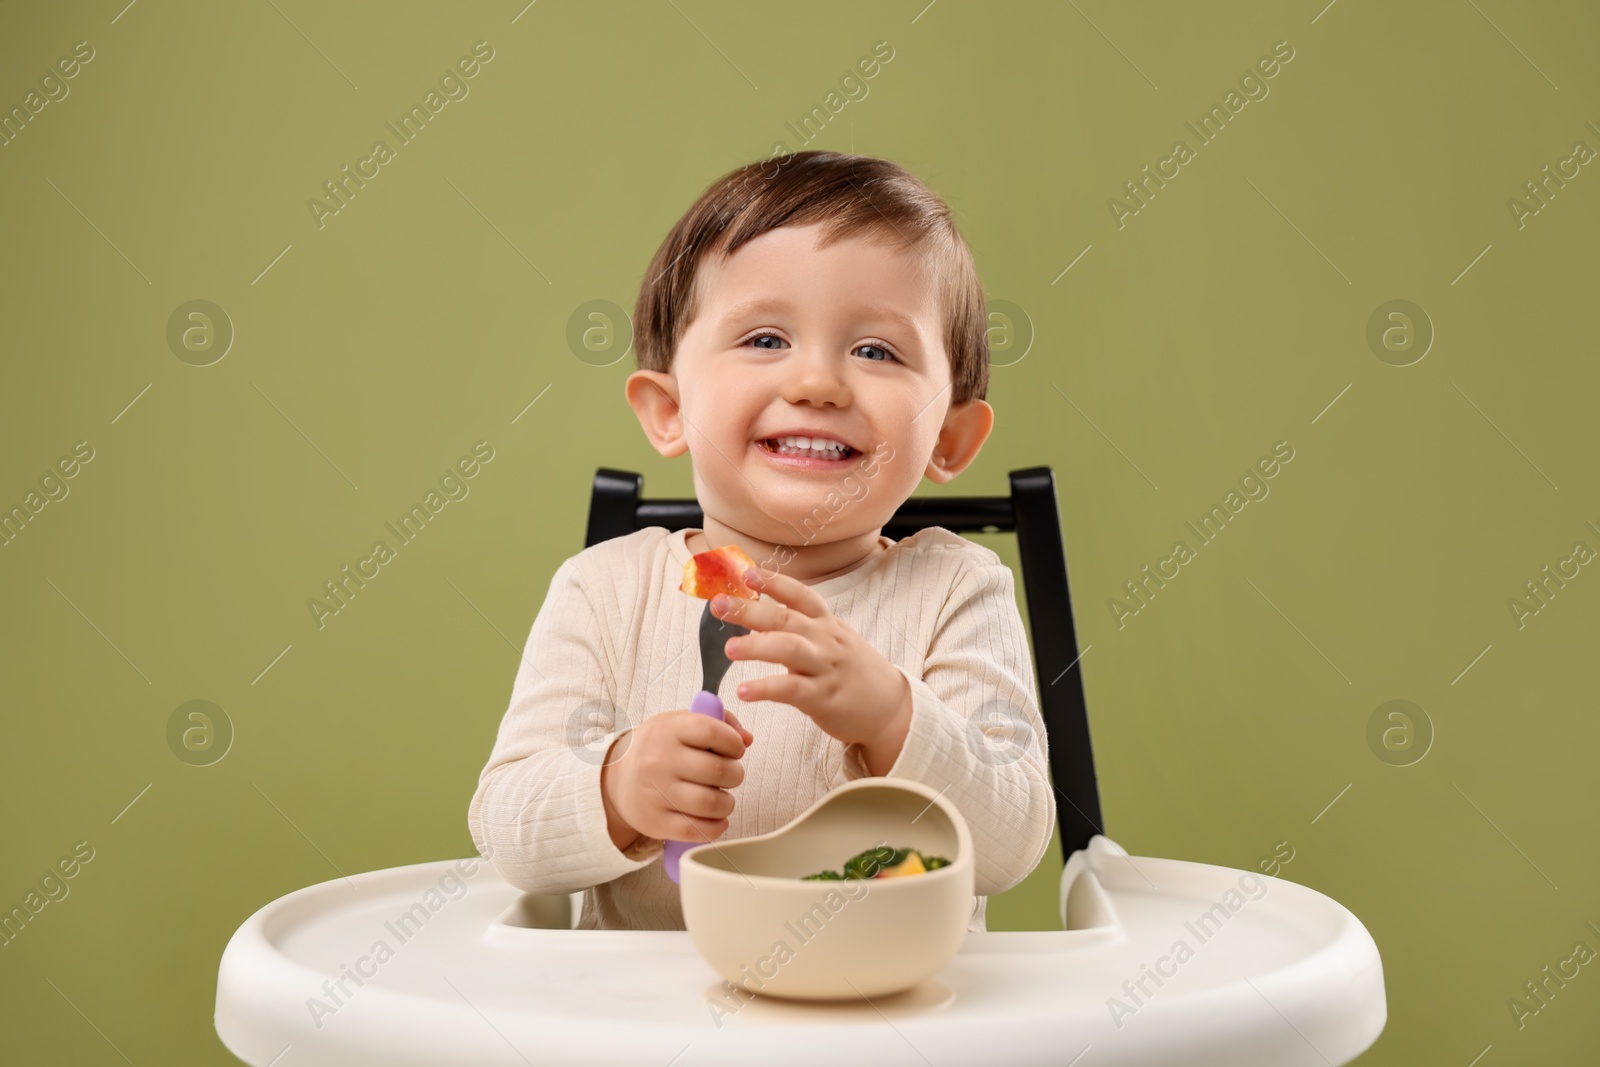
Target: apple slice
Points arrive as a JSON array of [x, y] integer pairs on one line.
[[912, 864], [719, 571]]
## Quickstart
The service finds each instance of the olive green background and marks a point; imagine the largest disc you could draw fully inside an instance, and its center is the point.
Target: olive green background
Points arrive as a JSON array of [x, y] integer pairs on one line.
[[1229, 715]]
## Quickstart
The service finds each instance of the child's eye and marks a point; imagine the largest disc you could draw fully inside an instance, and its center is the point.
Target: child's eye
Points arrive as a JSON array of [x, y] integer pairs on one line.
[[764, 337], [887, 355]]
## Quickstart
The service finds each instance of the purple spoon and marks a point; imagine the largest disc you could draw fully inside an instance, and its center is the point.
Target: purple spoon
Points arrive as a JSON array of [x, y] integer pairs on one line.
[[714, 634]]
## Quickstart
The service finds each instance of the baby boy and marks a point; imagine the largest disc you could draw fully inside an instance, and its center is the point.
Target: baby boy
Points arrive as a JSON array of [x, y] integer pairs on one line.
[[813, 333]]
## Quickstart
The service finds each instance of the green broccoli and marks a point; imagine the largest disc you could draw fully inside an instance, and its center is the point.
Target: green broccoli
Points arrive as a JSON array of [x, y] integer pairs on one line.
[[868, 864]]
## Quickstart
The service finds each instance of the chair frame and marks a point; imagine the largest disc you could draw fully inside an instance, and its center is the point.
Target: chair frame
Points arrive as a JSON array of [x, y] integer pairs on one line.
[[616, 510]]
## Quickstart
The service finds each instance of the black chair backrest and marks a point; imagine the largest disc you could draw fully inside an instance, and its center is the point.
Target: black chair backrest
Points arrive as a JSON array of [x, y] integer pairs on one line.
[[616, 510]]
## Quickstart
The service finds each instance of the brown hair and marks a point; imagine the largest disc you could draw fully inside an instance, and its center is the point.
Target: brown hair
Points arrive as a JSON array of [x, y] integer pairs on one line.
[[851, 196]]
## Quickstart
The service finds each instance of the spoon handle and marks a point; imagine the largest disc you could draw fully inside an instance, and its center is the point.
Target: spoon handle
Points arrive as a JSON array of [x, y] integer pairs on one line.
[[702, 703]]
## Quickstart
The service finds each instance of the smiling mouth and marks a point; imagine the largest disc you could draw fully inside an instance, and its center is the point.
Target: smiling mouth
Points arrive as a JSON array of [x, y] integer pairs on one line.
[[773, 448]]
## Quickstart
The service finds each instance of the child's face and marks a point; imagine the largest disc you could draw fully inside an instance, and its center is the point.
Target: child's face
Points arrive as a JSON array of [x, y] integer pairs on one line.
[[853, 348]]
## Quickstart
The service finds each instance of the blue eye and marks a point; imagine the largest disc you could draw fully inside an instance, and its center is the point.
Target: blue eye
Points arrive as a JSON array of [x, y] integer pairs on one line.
[[764, 337], [888, 356]]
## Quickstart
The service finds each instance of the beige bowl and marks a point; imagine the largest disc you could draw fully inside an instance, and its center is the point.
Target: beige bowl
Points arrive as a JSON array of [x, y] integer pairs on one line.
[[760, 925]]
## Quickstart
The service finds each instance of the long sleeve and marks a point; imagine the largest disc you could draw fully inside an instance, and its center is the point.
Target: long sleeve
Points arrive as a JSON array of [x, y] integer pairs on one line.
[[537, 814], [976, 732], [613, 644]]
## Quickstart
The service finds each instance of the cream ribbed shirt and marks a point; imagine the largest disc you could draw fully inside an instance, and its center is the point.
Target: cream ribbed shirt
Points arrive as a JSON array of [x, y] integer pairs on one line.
[[616, 642]]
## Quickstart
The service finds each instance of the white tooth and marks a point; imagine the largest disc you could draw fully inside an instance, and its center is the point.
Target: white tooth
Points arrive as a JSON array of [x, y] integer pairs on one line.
[[792, 444], [818, 443]]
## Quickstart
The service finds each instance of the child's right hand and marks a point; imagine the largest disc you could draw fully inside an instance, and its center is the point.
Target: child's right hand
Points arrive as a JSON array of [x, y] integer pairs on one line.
[[660, 781]]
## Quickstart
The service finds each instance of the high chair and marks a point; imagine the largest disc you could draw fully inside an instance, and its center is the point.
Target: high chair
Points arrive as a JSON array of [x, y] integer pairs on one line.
[[1159, 961]]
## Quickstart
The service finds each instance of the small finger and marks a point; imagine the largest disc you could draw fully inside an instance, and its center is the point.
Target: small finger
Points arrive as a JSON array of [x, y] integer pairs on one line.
[[798, 652], [702, 801], [788, 591], [719, 737], [739, 611], [713, 771], [733, 720], [784, 688], [699, 831]]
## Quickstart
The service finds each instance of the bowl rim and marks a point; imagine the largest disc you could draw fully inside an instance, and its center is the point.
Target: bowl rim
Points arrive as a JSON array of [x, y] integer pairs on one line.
[[963, 860]]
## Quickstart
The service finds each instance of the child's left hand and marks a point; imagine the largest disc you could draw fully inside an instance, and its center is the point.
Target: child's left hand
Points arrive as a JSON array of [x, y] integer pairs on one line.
[[845, 685]]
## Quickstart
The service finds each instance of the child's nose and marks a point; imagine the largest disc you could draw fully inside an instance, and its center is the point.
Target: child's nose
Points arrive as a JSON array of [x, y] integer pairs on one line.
[[815, 376]]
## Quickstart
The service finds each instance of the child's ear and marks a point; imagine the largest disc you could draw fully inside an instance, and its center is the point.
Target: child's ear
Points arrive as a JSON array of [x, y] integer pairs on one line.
[[966, 428], [654, 399]]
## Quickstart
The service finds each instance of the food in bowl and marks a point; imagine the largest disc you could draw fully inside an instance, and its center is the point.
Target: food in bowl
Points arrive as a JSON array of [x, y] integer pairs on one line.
[[882, 862]]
